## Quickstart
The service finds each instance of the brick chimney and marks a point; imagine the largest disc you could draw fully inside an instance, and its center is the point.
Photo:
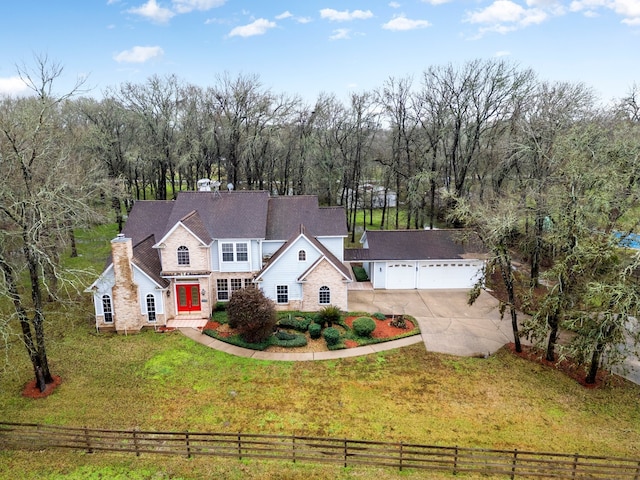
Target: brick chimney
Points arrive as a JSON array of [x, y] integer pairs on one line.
[[126, 311]]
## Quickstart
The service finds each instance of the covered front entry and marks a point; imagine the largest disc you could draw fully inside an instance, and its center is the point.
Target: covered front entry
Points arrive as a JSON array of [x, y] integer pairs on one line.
[[188, 296]]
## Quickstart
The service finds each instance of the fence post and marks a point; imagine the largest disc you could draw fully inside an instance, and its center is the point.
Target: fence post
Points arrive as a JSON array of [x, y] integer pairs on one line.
[[401, 445], [513, 464], [455, 462], [345, 453], [186, 437], [135, 442], [293, 448], [87, 440], [575, 465], [239, 446], [637, 477]]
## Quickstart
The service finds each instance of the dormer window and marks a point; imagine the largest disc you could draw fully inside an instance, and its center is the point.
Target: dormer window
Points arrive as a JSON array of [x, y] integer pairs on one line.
[[302, 256], [183, 255]]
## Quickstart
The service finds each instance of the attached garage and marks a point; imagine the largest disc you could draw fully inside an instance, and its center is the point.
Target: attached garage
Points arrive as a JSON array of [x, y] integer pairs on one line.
[[420, 259]]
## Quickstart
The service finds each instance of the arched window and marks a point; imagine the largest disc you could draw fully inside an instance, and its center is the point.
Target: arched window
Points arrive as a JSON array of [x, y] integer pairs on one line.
[[183, 255], [151, 308], [302, 256], [107, 309], [324, 295]]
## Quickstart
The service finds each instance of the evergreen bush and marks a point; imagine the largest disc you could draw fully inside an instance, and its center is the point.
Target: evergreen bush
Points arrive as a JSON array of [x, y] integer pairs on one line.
[[315, 331], [331, 336], [379, 316], [364, 326]]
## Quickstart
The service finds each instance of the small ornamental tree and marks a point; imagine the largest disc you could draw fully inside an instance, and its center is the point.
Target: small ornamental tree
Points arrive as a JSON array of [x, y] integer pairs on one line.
[[252, 314]]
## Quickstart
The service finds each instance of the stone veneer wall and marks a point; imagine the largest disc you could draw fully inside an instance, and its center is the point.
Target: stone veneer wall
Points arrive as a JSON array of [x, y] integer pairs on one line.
[[126, 310], [324, 274]]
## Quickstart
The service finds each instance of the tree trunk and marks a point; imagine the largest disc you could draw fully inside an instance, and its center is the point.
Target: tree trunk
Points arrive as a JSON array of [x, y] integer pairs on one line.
[[553, 338], [595, 364]]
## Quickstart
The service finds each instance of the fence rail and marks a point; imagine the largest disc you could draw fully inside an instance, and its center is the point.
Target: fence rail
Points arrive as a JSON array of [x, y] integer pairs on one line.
[[510, 463]]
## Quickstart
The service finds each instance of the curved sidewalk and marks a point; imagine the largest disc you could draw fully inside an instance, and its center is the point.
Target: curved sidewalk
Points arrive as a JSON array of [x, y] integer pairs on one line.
[[204, 339]]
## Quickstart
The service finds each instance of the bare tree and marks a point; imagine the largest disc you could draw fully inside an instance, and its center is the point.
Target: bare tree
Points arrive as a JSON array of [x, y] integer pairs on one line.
[[40, 192]]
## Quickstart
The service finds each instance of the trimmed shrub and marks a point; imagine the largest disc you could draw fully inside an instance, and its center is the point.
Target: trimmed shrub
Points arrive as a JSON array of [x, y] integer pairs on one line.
[[289, 340], [364, 326], [331, 336], [379, 316], [290, 321], [360, 274], [220, 307], [329, 315], [315, 331], [252, 314]]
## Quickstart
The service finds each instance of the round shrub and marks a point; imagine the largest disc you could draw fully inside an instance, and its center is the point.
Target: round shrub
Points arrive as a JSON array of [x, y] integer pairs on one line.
[[379, 316], [331, 336], [364, 326], [315, 331]]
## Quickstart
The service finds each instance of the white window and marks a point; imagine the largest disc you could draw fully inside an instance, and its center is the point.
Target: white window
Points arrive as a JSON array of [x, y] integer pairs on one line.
[[282, 293], [238, 252], [223, 289], [151, 308], [242, 252], [324, 295], [302, 256], [183, 255], [236, 284], [107, 309], [227, 252]]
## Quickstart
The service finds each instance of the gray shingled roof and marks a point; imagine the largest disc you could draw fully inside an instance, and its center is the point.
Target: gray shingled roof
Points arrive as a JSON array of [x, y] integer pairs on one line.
[[287, 213], [422, 244], [224, 214], [194, 223], [147, 259]]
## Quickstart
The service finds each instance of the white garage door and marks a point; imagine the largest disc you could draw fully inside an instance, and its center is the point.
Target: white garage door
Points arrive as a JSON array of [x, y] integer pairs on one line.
[[448, 274], [401, 276]]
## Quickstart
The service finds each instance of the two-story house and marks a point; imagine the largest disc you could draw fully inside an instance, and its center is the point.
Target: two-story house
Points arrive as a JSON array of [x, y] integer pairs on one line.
[[175, 259]]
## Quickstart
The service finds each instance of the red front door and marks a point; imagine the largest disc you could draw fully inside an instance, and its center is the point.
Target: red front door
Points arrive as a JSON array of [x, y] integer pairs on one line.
[[188, 298]]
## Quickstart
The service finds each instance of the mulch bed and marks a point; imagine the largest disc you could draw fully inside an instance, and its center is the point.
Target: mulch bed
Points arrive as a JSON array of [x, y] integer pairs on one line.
[[32, 391], [384, 328]]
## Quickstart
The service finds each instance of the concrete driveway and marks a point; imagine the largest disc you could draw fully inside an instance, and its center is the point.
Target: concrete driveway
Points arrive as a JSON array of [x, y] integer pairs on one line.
[[447, 323]]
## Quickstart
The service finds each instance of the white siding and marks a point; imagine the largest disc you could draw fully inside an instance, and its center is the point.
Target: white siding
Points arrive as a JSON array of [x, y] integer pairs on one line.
[[215, 261], [147, 286], [269, 247], [288, 269], [334, 244], [104, 284]]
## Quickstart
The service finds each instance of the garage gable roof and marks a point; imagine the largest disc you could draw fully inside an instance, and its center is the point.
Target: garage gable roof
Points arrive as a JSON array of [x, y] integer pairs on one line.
[[422, 244]]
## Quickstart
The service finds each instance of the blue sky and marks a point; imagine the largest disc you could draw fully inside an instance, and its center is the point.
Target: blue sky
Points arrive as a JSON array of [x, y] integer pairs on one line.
[[308, 46]]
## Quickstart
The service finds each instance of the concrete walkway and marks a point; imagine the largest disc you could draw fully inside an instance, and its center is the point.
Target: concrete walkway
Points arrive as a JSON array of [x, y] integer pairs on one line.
[[447, 325]]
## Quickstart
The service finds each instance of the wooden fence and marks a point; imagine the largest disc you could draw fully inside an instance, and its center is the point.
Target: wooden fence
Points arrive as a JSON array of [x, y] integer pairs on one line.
[[510, 463]]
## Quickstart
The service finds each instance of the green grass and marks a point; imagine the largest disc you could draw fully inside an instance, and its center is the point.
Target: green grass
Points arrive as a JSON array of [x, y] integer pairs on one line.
[[167, 382]]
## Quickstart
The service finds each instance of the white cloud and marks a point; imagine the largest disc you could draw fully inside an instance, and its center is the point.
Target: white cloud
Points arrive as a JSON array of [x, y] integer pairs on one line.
[[394, 4], [341, 34], [186, 6], [629, 9], [436, 2], [284, 15], [402, 23], [504, 16], [138, 54], [502, 53], [345, 15], [12, 86], [258, 27], [152, 11], [304, 19]]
